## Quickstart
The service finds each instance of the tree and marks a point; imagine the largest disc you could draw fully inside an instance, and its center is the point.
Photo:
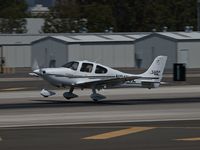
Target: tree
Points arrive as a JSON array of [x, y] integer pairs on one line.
[[64, 17], [12, 14], [79, 16], [149, 14], [99, 16], [124, 16], [181, 13]]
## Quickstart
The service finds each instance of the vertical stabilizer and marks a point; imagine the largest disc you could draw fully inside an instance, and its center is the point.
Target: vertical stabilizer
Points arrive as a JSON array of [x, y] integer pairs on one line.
[[156, 69]]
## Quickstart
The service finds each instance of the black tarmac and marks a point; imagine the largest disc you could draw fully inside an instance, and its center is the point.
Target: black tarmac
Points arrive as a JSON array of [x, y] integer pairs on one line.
[[165, 135]]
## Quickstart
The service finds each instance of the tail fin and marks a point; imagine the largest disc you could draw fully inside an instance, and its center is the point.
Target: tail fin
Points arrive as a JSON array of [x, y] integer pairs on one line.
[[156, 69]]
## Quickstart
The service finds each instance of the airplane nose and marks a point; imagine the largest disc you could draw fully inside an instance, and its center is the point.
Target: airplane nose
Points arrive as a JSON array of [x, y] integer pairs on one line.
[[37, 71], [40, 71]]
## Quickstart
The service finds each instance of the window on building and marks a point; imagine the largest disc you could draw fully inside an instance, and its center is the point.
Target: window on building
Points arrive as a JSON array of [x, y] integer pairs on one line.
[[72, 65], [86, 67], [100, 70]]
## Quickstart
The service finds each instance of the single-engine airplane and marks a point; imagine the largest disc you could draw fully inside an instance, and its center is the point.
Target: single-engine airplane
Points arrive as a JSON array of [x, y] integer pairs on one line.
[[86, 74]]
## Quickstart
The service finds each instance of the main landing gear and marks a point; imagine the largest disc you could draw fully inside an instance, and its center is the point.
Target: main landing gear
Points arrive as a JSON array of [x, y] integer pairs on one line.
[[70, 94], [95, 96]]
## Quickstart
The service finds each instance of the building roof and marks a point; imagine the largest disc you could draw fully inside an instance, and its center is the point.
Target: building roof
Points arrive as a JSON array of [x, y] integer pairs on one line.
[[182, 35], [39, 8], [175, 36], [46, 3], [83, 38], [18, 39], [28, 39], [137, 36]]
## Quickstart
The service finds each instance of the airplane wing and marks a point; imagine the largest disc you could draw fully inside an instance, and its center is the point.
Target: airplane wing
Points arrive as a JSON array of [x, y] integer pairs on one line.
[[106, 82]]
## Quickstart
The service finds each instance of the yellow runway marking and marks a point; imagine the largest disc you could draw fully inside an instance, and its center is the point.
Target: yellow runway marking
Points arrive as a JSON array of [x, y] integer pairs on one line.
[[13, 89], [179, 127], [118, 133], [189, 139]]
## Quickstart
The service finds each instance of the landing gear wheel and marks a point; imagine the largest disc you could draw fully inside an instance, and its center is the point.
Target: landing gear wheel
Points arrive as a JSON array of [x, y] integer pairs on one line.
[[95, 96], [95, 100], [70, 94]]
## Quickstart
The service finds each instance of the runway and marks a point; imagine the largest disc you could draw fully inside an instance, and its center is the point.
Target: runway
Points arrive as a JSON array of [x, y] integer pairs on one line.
[[164, 118], [175, 135]]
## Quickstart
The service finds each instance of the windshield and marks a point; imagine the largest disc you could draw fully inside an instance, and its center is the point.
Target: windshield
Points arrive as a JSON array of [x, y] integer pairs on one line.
[[72, 65]]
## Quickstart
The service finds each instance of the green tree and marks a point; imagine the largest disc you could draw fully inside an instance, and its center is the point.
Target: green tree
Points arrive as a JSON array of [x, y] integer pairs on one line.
[[12, 14], [79, 16], [121, 13], [124, 16], [99, 16], [64, 17], [149, 14], [181, 13]]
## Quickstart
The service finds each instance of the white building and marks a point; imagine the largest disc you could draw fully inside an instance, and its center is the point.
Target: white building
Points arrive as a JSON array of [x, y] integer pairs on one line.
[[180, 47], [16, 50], [39, 10], [119, 50], [114, 50]]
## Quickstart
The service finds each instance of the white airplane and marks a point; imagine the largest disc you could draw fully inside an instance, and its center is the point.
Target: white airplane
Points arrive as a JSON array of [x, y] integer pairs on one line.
[[86, 74]]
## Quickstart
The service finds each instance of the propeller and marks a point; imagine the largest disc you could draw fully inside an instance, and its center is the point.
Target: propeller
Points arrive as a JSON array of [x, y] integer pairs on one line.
[[35, 65], [37, 71]]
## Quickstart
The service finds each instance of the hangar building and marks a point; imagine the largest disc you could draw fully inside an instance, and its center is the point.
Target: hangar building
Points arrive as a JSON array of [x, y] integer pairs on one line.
[[114, 50], [15, 50], [180, 47]]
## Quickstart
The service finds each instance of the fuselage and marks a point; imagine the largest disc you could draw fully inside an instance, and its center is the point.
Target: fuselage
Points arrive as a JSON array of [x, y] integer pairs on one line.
[[78, 72]]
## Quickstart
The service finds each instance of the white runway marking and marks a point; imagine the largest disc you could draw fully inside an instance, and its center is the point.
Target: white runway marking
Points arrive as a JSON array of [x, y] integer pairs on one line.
[[1, 139]]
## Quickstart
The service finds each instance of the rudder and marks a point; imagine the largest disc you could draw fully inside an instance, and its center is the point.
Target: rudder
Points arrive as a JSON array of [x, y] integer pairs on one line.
[[157, 68]]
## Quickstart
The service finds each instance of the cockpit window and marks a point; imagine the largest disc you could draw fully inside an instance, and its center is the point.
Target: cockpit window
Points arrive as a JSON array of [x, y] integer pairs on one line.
[[86, 67], [72, 65], [100, 70]]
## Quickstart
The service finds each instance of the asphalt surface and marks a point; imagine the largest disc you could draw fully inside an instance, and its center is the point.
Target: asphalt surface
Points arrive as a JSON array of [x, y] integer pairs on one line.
[[163, 118], [174, 135]]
